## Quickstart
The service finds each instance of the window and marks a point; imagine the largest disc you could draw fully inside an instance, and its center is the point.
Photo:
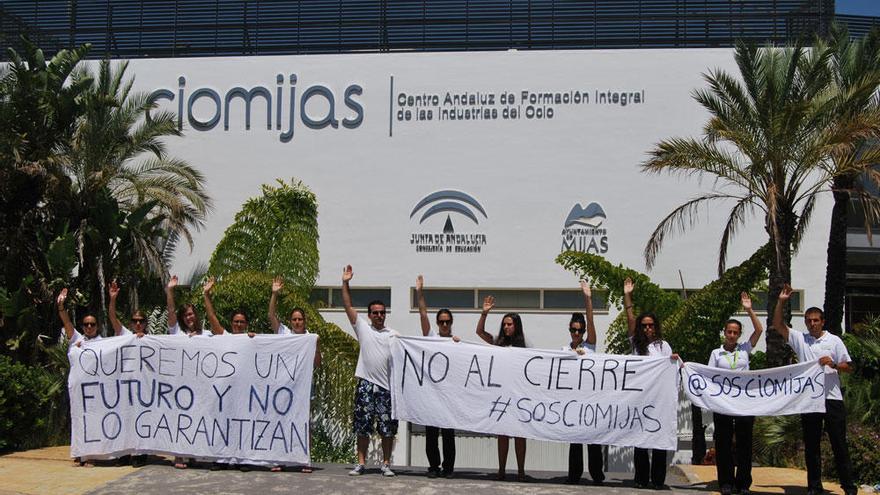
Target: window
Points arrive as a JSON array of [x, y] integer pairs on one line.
[[331, 297], [523, 300]]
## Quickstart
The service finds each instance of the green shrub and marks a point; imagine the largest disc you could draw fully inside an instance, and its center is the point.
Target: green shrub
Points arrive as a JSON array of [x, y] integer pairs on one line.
[[33, 410], [863, 454]]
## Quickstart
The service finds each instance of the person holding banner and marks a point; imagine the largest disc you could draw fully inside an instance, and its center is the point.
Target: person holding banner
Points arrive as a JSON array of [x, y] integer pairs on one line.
[[373, 396], [432, 433], [297, 327], [646, 339], [138, 319], [75, 338], [577, 326], [185, 318], [735, 355], [239, 317], [510, 334], [831, 353]]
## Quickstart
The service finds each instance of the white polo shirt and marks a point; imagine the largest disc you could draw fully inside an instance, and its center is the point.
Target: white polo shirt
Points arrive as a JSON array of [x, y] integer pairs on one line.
[[809, 348], [737, 360], [589, 348], [374, 360]]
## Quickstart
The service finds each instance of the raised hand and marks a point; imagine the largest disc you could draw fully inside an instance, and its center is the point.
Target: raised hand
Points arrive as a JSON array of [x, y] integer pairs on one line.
[[628, 286], [746, 301], [172, 283], [786, 292], [586, 288], [347, 273], [488, 303], [62, 296], [114, 289], [420, 282], [209, 286], [277, 285]]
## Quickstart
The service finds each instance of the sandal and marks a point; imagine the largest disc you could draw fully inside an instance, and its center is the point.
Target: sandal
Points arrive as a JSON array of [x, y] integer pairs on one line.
[[306, 469], [180, 463], [276, 469]]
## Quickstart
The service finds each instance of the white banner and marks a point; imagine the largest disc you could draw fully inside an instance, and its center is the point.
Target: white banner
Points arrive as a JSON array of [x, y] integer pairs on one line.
[[795, 389], [536, 393], [227, 397]]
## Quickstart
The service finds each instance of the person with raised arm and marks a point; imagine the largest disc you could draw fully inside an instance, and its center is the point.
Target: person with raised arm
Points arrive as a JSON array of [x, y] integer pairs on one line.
[[577, 326], [510, 334], [75, 339], [432, 433], [138, 318], [372, 401], [297, 320], [735, 355], [239, 316], [183, 321], [646, 339], [829, 350]]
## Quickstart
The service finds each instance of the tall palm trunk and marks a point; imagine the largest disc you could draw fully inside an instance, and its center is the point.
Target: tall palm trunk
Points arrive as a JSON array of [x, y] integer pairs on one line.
[[835, 271], [778, 352]]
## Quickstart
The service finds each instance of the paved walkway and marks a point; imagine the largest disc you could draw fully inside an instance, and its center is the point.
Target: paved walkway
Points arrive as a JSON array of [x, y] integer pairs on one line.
[[50, 471]]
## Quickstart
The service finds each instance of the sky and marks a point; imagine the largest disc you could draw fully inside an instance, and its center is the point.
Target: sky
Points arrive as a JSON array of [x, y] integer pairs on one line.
[[858, 7]]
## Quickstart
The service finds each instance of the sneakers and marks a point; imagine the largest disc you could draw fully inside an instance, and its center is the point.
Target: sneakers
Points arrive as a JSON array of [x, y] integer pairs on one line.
[[359, 470]]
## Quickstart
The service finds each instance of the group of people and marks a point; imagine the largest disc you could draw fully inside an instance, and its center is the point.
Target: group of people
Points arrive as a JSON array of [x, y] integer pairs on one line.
[[186, 322], [372, 405]]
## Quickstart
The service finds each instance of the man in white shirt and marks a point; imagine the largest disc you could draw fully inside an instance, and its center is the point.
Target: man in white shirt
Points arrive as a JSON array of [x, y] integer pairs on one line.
[[373, 396], [831, 353]]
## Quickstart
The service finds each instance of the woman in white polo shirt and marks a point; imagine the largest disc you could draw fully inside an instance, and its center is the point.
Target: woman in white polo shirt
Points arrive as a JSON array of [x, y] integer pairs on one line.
[[582, 344], [735, 355]]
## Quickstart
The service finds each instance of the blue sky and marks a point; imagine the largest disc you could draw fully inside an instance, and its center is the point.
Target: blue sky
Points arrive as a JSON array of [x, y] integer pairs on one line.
[[858, 7]]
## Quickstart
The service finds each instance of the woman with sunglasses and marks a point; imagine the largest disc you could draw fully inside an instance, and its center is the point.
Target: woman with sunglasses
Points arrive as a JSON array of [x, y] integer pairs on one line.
[[75, 338], [577, 326], [510, 334], [432, 449], [297, 320], [646, 339], [735, 356], [138, 319]]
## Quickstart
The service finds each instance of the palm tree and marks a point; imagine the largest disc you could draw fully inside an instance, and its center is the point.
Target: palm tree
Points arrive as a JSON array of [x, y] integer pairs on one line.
[[127, 195], [767, 144], [855, 67]]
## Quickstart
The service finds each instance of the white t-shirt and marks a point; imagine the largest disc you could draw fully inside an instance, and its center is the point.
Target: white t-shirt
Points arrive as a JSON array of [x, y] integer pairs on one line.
[[77, 337], [736, 360], [284, 330], [374, 360], [124, 331], [658, 348], [589, 348], [175, 330], [809, 348]]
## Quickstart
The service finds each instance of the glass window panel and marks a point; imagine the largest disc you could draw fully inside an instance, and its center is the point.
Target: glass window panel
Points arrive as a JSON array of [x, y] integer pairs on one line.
[[361, 297], [512, 298], [446, 298], [573, 299]]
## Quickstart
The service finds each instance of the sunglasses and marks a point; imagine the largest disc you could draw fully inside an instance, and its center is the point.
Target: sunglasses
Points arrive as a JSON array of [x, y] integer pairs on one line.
[[377, 313], [647, 325], [89, 324], [444, 322], [137, 320], [576, 329]]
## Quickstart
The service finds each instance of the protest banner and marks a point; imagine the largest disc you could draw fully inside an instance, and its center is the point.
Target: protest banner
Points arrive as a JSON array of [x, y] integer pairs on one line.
[[227, 397], [536, 393], [795, 389]]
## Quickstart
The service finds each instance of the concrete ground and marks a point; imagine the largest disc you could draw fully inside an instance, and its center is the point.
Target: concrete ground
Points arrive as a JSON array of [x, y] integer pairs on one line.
[[50, 471]]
